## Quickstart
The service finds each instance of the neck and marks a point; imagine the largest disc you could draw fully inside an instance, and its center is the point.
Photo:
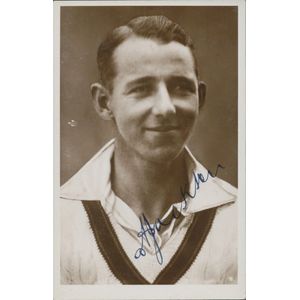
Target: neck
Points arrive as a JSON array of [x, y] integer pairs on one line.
[[147, 187]]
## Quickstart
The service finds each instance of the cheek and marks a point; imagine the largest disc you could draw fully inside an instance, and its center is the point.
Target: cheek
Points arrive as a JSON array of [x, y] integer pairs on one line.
[[128, 119], [187, 112], [130, 110]]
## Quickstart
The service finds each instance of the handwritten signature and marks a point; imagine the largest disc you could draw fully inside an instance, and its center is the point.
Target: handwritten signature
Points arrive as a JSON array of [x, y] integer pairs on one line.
[[148, 231]]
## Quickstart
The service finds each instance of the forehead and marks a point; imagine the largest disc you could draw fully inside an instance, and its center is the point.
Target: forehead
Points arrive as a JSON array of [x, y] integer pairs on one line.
[[138, 57]]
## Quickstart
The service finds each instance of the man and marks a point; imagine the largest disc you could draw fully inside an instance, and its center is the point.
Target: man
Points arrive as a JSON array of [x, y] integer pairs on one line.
[[143, 210]]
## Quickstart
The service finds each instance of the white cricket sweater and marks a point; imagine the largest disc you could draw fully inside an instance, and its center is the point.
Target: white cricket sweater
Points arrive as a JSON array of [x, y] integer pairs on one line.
[[83, 263]]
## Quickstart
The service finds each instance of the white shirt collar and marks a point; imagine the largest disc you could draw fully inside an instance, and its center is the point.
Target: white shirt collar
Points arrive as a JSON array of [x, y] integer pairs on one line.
[[92, 182]]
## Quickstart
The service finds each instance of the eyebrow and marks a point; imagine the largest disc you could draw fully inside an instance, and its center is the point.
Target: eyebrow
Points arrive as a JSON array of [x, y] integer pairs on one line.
[[152, 79], [184, 79], [138, 81]]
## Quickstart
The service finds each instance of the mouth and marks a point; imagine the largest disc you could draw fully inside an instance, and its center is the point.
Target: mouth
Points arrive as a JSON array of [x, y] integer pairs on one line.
[[163, 128]]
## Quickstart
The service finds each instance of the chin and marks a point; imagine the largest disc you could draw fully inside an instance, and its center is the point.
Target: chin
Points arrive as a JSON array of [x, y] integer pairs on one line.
[[162, 155]]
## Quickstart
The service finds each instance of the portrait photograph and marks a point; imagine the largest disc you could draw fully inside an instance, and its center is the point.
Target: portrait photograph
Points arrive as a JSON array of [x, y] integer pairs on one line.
[[149, 113]]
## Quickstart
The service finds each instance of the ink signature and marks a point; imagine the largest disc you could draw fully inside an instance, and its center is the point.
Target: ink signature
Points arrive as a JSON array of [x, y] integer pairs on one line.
[[148, 231]]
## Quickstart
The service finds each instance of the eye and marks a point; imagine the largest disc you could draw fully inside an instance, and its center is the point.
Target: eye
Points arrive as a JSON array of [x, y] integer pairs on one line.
[[182, 88], [141, 90]]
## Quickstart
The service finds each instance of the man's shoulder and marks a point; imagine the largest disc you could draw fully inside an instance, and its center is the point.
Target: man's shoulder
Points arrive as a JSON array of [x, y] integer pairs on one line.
[[70, 207], [72, 215], [225, 225], [228, 213], [89, 183], [226, 186]]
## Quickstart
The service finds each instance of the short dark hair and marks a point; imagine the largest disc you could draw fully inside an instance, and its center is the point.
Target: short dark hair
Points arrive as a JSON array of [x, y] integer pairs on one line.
[[152, 27]]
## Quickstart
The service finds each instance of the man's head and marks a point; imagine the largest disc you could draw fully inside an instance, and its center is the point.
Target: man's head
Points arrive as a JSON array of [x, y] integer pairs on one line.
[[149, 86]]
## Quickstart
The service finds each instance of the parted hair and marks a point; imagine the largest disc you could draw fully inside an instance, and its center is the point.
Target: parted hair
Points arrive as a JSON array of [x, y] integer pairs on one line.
[[153, 27]]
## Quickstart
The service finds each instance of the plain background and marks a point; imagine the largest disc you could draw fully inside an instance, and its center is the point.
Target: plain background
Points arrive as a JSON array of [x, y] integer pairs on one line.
[[272, 149], [214, 33]]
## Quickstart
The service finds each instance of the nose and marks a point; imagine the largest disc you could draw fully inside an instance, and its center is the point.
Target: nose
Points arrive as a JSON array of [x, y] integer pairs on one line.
[[163, 104]]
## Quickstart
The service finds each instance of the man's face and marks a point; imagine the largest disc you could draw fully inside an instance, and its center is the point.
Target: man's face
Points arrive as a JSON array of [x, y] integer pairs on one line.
[[155, 97]]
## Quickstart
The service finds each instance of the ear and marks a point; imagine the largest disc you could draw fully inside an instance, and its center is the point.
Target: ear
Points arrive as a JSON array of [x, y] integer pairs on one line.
[[101, 100], [202, 93]]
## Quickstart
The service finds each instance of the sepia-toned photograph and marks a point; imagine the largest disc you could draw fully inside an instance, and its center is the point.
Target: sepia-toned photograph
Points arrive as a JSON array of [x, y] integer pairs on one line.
[[149, 110]]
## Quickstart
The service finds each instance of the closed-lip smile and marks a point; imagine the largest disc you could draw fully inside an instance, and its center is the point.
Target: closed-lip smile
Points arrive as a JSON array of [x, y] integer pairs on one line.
[[163, 128]]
